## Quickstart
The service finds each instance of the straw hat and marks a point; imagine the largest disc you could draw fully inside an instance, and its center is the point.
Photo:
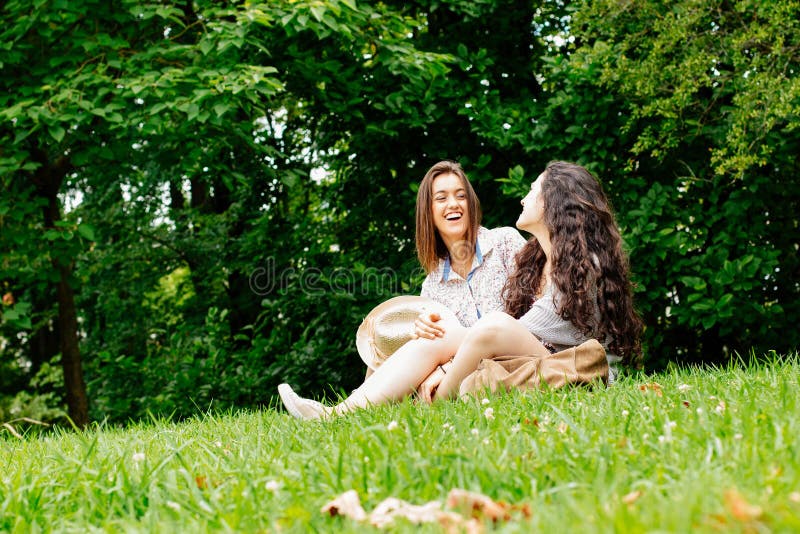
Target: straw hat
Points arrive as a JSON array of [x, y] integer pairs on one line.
[[390, 325]]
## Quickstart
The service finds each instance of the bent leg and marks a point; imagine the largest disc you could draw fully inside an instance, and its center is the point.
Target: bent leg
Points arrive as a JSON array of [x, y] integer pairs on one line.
[[400, 374], [495, 334]]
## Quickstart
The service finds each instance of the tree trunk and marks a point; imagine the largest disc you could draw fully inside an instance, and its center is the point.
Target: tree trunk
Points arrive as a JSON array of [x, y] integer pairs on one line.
[[77, 402], [48, 179]]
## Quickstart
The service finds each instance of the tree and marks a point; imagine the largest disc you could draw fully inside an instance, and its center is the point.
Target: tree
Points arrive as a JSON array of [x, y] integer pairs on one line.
[[113, 101], [710, 98]]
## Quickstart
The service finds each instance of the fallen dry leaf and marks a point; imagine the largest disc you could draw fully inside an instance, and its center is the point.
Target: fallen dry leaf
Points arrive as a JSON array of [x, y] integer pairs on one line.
[[652, 386], [477, 505], [453, 523], [385, 513], [739, 507], [534, 422], [631, 497], [347, 504]]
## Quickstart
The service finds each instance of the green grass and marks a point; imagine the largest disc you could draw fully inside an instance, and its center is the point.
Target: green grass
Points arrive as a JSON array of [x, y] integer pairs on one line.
[[571, 455]]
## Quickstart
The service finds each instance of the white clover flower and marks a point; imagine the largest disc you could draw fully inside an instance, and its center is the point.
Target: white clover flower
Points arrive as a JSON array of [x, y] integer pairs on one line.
[[485, 401], [625, 413], [738, 436], [138, 457], [486, 441], [272, 485], [488, 413], [515, 429], [699, 411], [474, 431], [684, 387], [392, 425], [175, 506]]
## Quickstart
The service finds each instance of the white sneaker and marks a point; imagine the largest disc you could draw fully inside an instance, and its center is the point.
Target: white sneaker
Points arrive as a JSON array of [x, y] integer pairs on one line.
[[302, 408]]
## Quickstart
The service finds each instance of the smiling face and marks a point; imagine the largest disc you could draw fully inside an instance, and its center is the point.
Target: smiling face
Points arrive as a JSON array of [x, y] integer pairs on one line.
[[450, 207], [532, 207]]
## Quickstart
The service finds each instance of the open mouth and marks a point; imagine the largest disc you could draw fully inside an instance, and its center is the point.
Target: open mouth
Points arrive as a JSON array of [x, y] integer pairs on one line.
[[453, 216]]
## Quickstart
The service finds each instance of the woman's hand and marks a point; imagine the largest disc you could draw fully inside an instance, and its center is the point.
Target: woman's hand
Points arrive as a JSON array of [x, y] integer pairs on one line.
[[425, 326], [428, 388]]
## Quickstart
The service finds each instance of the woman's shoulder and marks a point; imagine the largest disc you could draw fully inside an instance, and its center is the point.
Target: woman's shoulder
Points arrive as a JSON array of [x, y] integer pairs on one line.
[[504, 236]]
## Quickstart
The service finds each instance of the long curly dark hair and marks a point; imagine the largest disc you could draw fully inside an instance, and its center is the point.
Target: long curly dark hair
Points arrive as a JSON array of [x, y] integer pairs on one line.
[[587, 259]]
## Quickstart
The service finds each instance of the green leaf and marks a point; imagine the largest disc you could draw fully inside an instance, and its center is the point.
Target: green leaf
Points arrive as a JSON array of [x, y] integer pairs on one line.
[[318, 12], [86, 231], [57, 132], [220, 109], [52, 235]]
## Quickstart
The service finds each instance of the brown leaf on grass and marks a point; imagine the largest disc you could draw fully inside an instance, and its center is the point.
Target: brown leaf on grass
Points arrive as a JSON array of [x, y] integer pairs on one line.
[[475, 507], [480, 506], [203, 482], [739, 508], [453, 523], [631, 497], [655, 387], [385, 513], [347, 504], [686, 403], [534, 422]]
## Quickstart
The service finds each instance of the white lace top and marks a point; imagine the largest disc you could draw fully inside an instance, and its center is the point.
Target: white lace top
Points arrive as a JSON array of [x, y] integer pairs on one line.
[[481, 292]]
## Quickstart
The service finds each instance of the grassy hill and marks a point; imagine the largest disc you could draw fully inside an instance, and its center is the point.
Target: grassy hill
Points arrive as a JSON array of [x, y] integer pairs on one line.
[[686, 450]]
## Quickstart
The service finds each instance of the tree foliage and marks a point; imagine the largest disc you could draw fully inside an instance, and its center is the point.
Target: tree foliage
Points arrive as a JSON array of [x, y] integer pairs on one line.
[[202, 199], [710, 96]]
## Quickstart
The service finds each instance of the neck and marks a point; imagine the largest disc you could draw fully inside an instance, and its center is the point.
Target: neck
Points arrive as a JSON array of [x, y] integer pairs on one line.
[[453, 243], [460, 259], [543, 237]]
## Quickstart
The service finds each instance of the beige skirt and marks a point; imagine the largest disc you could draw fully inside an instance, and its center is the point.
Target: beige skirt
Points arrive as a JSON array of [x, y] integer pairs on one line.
[[584, 364]]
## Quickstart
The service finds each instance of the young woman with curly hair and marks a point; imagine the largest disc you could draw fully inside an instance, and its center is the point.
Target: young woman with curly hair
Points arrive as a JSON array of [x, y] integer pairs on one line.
[[571, 284]]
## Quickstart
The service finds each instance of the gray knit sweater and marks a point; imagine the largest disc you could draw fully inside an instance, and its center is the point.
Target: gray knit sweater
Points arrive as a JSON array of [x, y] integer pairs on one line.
[[544, 323]]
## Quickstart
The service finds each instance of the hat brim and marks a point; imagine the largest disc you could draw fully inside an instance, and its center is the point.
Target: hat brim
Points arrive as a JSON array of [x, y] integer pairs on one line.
[[364, 344]]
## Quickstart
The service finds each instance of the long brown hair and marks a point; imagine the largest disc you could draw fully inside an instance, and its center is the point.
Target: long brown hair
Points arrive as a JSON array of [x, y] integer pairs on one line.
[[587, 260], [430, 247]]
